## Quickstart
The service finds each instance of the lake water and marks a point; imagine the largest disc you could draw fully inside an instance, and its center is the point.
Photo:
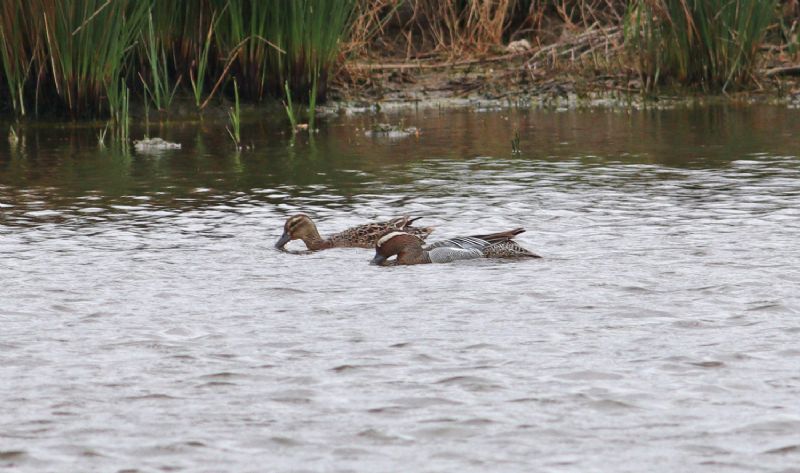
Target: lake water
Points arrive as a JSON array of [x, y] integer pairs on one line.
[[148, 324]]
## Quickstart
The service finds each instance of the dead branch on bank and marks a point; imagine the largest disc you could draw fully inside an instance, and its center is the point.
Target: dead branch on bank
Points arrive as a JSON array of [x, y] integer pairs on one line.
[[782, 71]]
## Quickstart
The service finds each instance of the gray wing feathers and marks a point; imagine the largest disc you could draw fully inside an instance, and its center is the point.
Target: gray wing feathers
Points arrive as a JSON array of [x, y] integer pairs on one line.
[[448, 254], [460, 242]]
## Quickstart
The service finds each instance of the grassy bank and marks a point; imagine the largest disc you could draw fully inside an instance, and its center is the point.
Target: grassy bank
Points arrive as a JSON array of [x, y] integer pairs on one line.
[[89, 57]]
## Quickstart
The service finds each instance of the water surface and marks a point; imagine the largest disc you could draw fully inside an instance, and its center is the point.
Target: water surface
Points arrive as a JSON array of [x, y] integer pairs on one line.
[[149, 325]]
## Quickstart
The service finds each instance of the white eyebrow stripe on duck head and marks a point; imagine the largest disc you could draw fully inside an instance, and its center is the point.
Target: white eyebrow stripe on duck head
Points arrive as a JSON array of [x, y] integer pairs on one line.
[[388, 237]]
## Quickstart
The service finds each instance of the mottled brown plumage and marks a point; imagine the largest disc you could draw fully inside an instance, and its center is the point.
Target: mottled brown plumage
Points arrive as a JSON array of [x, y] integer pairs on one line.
[[301, 227], [409, 250]]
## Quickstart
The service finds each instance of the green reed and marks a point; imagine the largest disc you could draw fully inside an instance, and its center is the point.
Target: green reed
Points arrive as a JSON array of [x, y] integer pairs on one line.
[[713, 43], [146, 119], [200, 63], [287, 105], [790, 34], [101, 136], [515, 149], [13, 136], [234, 116], [125, 117], [312, 102]]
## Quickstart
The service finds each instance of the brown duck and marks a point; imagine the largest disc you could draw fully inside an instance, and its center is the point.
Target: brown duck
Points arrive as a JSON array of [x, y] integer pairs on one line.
[[301, 227], [409, 249]]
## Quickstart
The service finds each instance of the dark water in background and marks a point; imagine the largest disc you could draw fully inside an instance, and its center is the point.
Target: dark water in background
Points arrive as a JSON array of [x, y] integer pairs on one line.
[[147, 324]]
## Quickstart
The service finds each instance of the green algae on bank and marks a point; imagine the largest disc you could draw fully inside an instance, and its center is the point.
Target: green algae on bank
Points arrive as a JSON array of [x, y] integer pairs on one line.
[[569, 101]]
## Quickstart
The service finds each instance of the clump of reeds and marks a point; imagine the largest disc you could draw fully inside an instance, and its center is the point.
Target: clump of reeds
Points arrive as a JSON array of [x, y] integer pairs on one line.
[[244, 35], [72, 55], [66, 53], [16, 53], [270, 44], [713, 43], [158, 87], [87, 43]]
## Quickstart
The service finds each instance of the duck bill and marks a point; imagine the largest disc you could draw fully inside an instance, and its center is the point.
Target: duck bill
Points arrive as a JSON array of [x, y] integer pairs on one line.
[[283, 240], [378, 260]]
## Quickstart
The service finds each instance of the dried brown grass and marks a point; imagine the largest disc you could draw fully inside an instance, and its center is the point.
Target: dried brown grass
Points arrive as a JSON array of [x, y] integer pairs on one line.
[[455, 29]]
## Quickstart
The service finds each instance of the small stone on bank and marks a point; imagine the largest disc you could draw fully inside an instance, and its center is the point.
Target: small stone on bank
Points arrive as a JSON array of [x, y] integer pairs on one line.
[[518, 46]]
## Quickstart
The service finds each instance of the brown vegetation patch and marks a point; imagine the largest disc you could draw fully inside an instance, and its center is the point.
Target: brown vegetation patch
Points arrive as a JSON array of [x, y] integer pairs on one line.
[[420, 50]]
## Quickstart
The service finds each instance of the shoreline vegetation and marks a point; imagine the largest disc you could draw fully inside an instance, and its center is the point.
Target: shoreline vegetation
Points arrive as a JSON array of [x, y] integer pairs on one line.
[[98, 58]]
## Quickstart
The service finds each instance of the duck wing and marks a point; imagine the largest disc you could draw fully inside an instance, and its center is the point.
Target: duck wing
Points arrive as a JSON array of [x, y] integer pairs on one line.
[[501, 236], [463, 243], [447, 254], [478, 242]]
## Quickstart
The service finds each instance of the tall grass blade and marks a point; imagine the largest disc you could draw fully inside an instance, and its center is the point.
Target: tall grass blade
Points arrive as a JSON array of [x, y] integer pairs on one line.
[[198, 74]]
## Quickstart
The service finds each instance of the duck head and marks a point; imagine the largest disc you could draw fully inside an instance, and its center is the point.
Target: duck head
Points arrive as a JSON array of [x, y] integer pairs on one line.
[[407, 248], [297, 227]]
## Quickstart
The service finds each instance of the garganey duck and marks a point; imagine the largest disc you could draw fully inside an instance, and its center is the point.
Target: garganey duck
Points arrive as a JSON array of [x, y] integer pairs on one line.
[[409, 249], [301, 227]]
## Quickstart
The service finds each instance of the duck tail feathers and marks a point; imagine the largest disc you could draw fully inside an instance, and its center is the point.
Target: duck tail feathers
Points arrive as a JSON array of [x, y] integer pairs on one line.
[[501, 236]]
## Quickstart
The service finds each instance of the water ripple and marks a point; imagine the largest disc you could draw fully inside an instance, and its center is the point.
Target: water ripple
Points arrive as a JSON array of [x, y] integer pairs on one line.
[[155, 327]]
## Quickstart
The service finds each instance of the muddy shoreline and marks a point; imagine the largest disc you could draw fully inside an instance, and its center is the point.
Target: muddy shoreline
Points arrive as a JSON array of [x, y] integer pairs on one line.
[[562, 68], [510, 82]]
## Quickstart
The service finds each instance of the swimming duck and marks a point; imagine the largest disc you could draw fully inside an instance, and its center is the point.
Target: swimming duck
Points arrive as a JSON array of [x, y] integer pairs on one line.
[[409, 249], [301, 227]]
